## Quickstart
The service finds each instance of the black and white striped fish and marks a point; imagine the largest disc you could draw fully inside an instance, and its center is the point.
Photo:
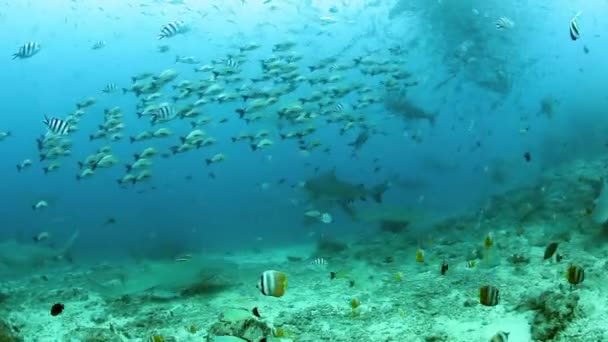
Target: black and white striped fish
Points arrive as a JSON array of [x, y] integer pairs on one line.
[[231, 63], [98, 45], [574, 31], [27, 50], [500, 336], [110, 88], [320, 262], [163, 113], [504, 23], [339, 107], [56, 126], [172, 29]]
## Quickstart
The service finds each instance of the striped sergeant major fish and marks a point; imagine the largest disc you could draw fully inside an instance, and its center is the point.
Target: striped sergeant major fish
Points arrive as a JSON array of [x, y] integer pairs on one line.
[[56, 126], [504, 23], [339, 107], [172, 29], [231, 63], [27, 50], [98, 45], [163, 113], [109, 88], [574, 30]]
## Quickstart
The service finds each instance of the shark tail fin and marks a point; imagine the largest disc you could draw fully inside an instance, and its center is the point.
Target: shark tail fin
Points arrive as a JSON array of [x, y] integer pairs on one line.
[[378, 191], [349, 210], [68, 245]]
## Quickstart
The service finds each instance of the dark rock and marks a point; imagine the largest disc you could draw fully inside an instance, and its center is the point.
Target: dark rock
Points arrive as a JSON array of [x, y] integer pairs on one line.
[[550, 250]]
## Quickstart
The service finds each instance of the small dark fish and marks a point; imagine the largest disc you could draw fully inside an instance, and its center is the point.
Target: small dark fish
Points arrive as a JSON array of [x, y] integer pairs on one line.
[[110, 220], [444, 267], [527, 156], [256, 312], [585, 49], [558, 257], [351, 283], [56, 309], [550, 250]]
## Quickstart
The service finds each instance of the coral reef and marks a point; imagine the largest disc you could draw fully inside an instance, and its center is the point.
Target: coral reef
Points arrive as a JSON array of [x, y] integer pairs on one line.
[[240, 323], [553, 312]]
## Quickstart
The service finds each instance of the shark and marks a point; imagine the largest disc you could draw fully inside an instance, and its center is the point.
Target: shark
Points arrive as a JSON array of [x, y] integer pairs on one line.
[[20, 257], [398, 104], [327, 190]]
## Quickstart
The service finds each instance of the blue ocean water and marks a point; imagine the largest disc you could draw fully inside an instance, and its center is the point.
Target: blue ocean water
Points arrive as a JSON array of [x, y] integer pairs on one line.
[[478, 129]]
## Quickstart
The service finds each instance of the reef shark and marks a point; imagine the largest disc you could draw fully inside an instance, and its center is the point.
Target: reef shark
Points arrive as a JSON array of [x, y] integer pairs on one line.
[[16, 256], [327, 190]]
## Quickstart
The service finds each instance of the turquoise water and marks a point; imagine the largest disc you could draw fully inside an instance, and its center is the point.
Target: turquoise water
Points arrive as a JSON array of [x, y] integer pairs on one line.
[[477, 130], [483, 110]]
